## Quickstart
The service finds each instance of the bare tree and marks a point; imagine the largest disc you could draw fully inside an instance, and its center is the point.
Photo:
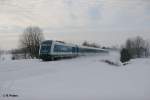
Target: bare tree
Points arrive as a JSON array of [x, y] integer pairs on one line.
[[138, 47], [30, 41], [147, 49]]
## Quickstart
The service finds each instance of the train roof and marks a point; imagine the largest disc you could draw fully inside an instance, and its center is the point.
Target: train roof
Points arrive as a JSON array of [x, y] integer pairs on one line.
[[85, 47], [47, 41]]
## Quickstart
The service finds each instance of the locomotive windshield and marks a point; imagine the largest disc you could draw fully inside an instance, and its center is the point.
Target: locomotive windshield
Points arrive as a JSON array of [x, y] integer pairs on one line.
[[46, 47]]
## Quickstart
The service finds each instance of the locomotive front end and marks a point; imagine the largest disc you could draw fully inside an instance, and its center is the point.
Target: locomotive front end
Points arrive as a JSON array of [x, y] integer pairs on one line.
[[45, 50]]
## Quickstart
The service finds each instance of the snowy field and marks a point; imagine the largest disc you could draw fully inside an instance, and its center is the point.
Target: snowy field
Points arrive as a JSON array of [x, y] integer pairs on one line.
[[82, 78]]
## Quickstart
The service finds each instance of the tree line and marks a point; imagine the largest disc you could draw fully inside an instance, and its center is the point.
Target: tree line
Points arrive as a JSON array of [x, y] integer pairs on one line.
[[135, 48]]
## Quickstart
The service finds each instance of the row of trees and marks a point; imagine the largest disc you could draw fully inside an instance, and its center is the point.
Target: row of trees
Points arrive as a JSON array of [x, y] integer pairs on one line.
[[88, 44], [135, 48]]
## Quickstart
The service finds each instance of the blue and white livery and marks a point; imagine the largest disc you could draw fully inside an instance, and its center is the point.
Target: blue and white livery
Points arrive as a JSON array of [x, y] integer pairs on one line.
[[50, 50]]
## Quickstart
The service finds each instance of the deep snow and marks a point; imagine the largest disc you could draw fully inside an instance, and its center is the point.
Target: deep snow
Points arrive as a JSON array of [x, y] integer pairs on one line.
[[82, 78]]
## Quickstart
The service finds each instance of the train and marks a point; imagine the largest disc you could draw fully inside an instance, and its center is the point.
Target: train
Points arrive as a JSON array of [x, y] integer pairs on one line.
[[52, 50]]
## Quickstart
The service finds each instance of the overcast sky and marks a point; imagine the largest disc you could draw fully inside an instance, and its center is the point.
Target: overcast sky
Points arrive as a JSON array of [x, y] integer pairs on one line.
[[107, 22]]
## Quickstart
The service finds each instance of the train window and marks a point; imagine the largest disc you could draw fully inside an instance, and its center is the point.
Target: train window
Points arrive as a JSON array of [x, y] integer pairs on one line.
[[61, 48], [45, 46], [74, 49]]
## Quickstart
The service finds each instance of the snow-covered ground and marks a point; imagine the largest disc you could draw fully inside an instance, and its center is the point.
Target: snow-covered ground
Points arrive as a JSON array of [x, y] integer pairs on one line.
[[82, 78]]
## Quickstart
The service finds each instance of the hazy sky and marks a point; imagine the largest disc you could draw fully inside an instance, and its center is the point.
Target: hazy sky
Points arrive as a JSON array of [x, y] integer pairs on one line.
[[107, 22]]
